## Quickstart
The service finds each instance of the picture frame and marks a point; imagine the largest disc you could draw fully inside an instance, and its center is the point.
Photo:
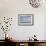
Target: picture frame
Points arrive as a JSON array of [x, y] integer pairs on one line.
[[25, 19]]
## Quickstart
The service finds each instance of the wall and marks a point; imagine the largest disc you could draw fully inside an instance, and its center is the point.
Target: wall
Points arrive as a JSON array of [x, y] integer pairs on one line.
[[11, 8]]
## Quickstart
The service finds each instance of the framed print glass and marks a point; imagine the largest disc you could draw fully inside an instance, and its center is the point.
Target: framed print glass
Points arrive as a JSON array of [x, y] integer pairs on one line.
[[25, 19]]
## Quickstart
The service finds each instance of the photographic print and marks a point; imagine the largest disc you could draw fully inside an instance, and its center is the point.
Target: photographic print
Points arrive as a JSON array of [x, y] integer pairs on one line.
[[25, 19]]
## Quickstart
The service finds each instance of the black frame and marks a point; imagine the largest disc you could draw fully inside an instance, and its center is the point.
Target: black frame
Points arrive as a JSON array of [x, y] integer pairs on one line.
[[26, 24]]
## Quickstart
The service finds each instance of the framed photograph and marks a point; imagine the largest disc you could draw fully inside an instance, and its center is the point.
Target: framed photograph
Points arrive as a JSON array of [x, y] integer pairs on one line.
[[25, 19]]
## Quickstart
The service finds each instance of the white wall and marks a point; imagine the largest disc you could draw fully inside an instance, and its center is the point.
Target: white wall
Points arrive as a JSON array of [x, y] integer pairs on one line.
[[12, 8]]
